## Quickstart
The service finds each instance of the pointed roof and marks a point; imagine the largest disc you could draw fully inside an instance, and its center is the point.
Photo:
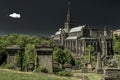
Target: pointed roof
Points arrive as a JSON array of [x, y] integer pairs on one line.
[[76, 29], [68, 13]]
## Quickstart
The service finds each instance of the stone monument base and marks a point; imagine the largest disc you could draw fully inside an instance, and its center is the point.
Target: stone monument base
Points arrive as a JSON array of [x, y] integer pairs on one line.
[[99, 71], [111, 74]]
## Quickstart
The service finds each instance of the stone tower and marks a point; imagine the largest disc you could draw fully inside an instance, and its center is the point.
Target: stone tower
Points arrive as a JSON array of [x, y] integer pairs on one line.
[[68, 23]]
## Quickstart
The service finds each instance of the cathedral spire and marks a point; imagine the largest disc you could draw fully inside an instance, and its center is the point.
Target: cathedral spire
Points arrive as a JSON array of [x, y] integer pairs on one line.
[[68, 23], [68, 12]]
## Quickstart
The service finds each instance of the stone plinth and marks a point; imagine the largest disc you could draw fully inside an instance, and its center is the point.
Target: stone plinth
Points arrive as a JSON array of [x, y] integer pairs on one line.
[[12, 50], [45, 57], [30, 67], [84, 70], [99, 71], [111, 74], [68, 67]]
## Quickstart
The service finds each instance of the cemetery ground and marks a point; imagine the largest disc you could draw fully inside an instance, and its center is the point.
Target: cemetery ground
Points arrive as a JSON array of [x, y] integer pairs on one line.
[[7, 74]]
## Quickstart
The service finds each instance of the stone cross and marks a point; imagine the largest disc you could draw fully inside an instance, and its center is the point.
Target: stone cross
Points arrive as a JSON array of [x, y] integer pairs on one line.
[[99, 64]]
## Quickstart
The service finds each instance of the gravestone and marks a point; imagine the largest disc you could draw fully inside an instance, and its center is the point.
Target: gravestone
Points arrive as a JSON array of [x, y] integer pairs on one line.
[[84, 70], [56, 66], [30, 66], [45, 59], [11, 51], [113, 62], [111, 74], [99, 69], [68, 67]]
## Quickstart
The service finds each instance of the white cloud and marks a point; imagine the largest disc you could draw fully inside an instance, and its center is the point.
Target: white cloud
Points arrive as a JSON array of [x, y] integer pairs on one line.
[[15, 15]]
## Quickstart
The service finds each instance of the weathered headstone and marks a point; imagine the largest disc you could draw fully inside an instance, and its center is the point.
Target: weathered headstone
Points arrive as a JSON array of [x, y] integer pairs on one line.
[[45, 59], [84, 70], [113, 62], [30, 67], [111, 74], [56, 66], [12, 50], [68, 67]]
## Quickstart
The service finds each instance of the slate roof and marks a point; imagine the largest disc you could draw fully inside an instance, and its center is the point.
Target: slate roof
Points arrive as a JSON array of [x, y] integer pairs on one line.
[[76, 29]]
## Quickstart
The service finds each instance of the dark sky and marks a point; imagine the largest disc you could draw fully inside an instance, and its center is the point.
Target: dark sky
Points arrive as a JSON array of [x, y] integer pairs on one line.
[[47, 16]]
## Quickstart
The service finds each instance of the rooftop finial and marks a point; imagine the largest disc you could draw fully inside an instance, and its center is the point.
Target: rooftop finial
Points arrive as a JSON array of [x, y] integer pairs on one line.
[[105, 32]]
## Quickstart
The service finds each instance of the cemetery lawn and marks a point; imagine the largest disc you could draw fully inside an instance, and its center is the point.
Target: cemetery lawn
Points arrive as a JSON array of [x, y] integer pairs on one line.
[[6, 74], [93, 76]]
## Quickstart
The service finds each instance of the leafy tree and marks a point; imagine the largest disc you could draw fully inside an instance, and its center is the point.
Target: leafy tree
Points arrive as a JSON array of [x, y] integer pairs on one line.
[[59, 56], [116, 37], [62, 56], [68, 55], [18, 59], [26, 41], [89, 54], [116, 47], [11, 39], [52, 43], [30, 54]]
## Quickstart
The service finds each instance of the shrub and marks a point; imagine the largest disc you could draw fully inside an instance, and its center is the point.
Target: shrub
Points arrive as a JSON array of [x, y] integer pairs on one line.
[[57, 70], [41, 69], [2, 66], [9, 66], [64, 73]]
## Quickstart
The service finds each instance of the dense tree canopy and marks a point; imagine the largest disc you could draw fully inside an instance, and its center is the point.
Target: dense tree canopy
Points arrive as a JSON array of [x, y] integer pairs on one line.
[[26, 41], [89, 54], [116, 46]]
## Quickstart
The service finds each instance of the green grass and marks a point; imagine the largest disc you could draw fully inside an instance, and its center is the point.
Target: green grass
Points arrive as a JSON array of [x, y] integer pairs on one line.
[[6, 74], [93, 76]]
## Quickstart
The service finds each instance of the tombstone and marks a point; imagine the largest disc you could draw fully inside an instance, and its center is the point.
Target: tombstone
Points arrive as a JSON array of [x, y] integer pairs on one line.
[[106, 60], [113, 62], [111, 74], [68, 67], [30, 66], [56, 66], [12, 50], [84, 70], [99, 69], [45, 59]]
